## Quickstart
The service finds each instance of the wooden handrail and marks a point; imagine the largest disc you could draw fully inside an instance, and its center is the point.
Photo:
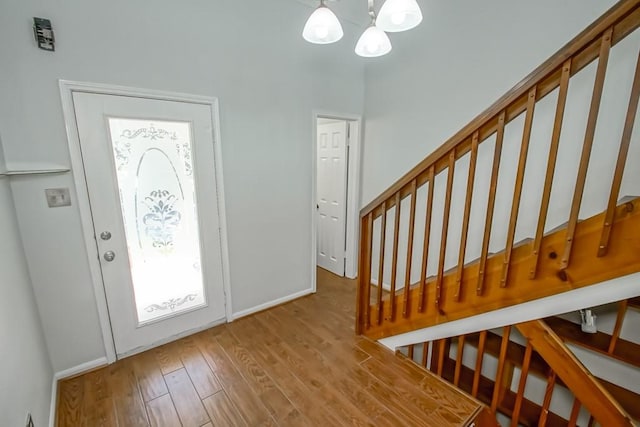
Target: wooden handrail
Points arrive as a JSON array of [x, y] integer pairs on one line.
[[580, 44], [586, 388], [408, 294]]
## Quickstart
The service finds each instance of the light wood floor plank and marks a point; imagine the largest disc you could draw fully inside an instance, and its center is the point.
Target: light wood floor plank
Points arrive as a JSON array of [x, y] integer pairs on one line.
[[299, 364], [149, 376], [70, 398], [162, 412], [186, 399], [222, 412], [126, 395], [198, 369], [168, 357]]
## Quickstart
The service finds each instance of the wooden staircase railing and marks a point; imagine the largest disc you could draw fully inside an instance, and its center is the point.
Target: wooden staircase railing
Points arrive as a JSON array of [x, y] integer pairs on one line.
[[542, 356], [544, 265]]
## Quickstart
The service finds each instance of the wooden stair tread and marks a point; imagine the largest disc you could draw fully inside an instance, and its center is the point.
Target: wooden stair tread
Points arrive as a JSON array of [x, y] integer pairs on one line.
[[625, 351]]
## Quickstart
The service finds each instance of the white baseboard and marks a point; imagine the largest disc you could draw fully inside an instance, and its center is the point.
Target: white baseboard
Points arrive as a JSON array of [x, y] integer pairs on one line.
[[266, 305], [54, 402], [80, 369]]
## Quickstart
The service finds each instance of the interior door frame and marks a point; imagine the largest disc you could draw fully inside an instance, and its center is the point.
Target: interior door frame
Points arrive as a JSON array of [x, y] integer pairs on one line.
[[353, 192], [67, 89]]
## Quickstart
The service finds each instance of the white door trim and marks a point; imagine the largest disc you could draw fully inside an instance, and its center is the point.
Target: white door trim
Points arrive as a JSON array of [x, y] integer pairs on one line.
[[353, 192], [67, 88]]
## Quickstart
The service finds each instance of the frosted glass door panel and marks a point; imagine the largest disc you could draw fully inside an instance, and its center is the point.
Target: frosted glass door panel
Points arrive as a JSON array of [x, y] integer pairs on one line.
[[154, 170]]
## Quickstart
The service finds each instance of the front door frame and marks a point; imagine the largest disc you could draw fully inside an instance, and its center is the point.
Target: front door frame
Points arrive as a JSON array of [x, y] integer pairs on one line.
[[67, 88], [353, 192]]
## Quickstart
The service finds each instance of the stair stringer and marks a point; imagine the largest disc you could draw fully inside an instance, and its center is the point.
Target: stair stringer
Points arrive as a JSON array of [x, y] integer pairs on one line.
[[586, 269], [602, 293], [580, 381]]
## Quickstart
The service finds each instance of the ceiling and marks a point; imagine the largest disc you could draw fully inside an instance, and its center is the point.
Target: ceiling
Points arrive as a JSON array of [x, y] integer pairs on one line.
[[354, 11]]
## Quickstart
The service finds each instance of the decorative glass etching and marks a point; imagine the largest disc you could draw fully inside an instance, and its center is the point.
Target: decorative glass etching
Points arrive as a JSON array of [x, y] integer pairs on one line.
[[153, 161]]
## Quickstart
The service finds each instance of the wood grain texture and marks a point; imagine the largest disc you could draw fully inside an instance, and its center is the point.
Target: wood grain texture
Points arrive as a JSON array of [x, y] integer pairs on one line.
[[586, 388], [299, 364], [586, 269], [594, 109], [186, 399], [621, 162], [162, 412], [594, 43]]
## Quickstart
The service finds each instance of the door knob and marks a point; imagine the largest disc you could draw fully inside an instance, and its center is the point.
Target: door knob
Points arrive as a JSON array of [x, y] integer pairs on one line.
[[109, 256], [105, 235]]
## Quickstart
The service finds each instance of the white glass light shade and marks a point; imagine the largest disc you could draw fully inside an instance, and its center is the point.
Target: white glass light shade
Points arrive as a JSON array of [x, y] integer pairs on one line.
[[322, 27], [373, 42], [399, 15]]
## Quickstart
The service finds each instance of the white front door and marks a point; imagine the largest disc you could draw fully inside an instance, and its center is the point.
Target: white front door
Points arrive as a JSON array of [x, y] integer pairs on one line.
[[332, 195], [150, 172]]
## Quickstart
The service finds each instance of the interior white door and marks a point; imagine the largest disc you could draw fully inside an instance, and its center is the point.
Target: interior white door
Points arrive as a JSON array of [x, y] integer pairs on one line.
[[150, 172], [332, 195]]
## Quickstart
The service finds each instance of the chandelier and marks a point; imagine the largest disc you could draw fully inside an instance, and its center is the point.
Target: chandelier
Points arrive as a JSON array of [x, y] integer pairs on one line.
[[323, 26]]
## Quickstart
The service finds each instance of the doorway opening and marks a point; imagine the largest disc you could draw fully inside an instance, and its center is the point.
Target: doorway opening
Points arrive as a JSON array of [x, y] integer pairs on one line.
[[337, 192]]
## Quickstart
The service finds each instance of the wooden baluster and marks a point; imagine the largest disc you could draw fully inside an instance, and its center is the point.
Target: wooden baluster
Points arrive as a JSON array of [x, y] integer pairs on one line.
[[410, 352], [501, 364], [548, 393], [443, 350], [394, 260], [622, 311], [551, 165], [383, 233], [495, 168], [479, 359], [517, 192], [586, 148], [621, 162], [575, 411], [364, 288], [524, 372], [467, 213], [445, 227], [435, 351], [407, 271], [425, 244], [459, 354], [425, 353]]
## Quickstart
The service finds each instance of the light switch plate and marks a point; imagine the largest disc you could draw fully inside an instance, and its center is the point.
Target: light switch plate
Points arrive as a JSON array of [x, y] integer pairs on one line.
[[57, 197]]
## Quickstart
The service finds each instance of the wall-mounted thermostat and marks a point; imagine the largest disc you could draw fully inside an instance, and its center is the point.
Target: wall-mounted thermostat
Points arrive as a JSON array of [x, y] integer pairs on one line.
[[57, 197], [43, 33]]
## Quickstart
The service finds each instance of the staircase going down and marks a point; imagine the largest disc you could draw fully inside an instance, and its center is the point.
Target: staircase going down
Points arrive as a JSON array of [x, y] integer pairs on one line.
[[536, 197], [526, 373]]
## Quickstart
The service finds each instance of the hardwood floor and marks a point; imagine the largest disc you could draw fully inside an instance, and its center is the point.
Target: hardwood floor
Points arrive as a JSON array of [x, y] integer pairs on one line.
[[299, 364]]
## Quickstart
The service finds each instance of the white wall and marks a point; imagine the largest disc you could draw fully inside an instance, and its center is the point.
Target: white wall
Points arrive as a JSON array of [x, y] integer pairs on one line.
[[25, 370], [249, 54], [423, 95], [442, 74]]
